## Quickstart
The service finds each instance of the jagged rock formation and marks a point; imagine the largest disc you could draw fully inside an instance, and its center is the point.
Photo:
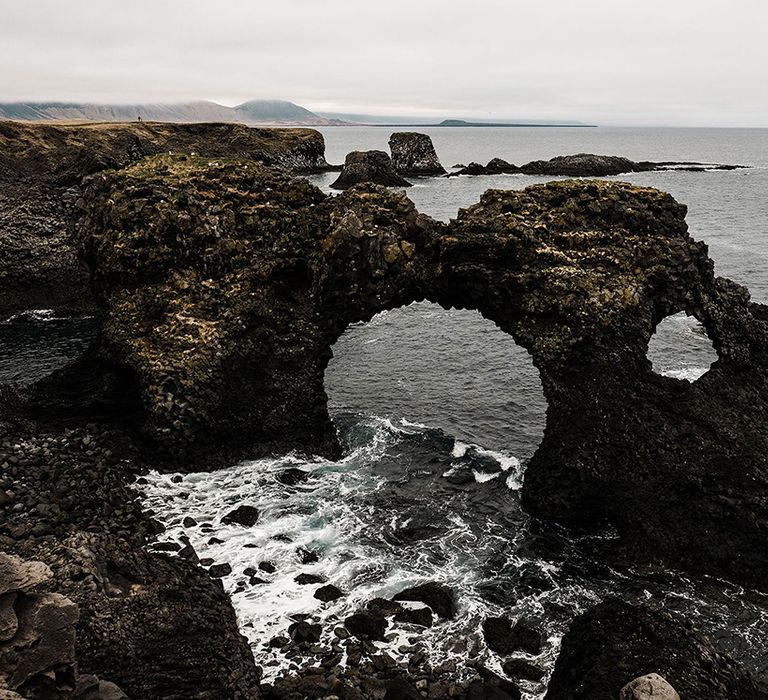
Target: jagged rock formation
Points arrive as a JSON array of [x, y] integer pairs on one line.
[[613, 643], [414, 154], [40, 165], [583, 165], [225, 286], [252, 277], [368, 166]]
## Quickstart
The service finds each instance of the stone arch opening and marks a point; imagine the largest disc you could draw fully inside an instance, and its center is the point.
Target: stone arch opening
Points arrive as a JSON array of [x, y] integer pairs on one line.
[[450, 369], [681, 348]]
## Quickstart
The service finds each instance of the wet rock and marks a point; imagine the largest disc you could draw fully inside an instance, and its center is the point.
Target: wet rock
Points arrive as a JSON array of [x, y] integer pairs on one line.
[[368, 166], [328, 593], [304, 632], [505, 638], [189, 522], [366, 625], [525, 670], [306, 556], [220, 570], [414, 154], [615, 642], [650, 687], [267, 566], [415, 616], [436, 595], [244, 515], [305, 579]]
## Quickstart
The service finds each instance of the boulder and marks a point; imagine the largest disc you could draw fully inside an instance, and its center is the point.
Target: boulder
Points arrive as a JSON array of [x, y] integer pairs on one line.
[[650, 687], [609, 648], [244, 515], [368, 166], [414, 154], [436, 595], [366, 625], [581, 165], [505, 638]]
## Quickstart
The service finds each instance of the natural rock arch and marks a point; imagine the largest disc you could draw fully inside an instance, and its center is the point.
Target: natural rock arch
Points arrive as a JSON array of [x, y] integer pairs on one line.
[[225, 284]]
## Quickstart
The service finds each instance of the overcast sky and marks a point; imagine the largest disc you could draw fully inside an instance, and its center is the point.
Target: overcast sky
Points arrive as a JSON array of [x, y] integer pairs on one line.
[[677, 62]]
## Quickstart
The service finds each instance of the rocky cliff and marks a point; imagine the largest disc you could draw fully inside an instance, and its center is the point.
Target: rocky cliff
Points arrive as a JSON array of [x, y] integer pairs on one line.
[[225, 285], [40, 164]]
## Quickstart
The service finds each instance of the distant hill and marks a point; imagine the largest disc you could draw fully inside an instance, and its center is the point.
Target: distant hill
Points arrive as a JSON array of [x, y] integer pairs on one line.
[[378, 120], [253, 112]]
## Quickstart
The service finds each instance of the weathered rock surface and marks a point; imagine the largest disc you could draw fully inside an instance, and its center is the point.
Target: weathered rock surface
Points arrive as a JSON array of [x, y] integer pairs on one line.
[[41, 165], [650, 687], [413, 154], [615, 642], [368, 166], [156, 626], [584, 165], [225, 286]]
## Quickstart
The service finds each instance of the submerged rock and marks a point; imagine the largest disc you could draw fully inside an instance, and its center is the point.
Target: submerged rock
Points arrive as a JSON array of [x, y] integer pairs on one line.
[[615, 642], [368, 166], [505, 638], [414, 154]]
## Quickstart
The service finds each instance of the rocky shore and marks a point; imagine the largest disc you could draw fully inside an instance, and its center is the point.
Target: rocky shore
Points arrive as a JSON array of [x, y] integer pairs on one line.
[[222, 285]]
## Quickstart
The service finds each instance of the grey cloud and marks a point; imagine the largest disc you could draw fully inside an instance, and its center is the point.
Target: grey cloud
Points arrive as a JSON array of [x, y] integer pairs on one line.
[[681, 62]]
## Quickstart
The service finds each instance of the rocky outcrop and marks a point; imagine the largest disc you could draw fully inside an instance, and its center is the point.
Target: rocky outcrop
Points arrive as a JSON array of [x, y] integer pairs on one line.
[[614, 643], [37, 638], [368, 166], [583, 165], [41, 164], [156, 626], [414, 154], [224, 287]]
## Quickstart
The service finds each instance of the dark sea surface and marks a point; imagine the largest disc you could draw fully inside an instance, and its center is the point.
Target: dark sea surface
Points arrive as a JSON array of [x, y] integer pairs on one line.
[[439, 412]]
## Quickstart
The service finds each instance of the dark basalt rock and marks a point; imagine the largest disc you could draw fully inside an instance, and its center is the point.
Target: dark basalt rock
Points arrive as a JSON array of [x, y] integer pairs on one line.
[[414, 154], [328, 593], [244, 515], [505, 638], [584, 165], [615, 642], [367, 625], [41, 166], [147, 622], [225, 285], [368, 166], [437, 596]]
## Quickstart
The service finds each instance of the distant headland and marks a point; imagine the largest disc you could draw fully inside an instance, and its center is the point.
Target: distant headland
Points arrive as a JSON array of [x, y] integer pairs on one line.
[[252, 113]]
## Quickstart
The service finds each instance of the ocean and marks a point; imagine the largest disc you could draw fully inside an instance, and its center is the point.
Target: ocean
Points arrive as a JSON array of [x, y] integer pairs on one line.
[[439, 412]]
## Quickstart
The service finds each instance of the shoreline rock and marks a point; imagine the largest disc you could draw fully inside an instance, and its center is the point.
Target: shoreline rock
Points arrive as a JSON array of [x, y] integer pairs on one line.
[[584, 165], [413, 154], [368, 167]]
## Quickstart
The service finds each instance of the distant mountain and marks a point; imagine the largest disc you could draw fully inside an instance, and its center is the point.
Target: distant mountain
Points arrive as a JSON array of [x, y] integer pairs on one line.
[[253, 112], [372, 119]]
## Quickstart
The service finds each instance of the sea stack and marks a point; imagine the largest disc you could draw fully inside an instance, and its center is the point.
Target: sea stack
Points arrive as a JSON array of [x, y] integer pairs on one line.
[[413, 154], [368, 166]]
